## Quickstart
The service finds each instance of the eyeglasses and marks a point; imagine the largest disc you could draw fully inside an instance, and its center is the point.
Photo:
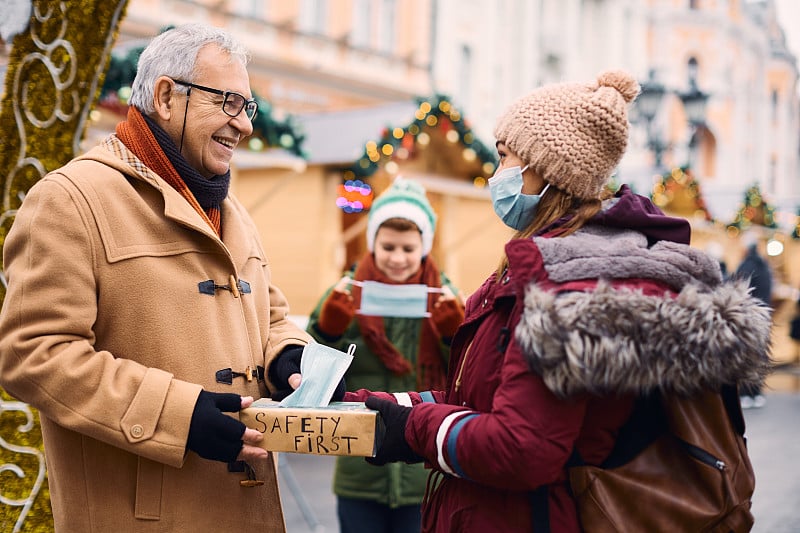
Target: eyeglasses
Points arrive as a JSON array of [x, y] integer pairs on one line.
[[233, 103]]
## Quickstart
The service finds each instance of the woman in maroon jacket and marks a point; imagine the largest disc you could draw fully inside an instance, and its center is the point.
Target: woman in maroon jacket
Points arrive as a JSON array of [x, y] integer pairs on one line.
[[598, 297]]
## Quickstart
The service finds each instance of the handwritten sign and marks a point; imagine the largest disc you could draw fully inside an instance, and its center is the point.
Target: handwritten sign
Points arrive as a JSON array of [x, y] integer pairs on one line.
[[341, 428]]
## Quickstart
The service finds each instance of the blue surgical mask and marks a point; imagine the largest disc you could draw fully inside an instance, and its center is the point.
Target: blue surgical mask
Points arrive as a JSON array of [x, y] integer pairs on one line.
[[381, 299], [515, 209], [322, 367]]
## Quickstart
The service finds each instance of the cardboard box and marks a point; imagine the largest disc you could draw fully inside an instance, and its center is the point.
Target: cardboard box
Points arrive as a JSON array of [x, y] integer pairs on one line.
[[341, 428]]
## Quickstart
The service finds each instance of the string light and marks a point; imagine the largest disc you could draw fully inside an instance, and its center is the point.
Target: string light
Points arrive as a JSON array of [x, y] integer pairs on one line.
[[354, 196], [774, 247], [403, 143], [679, 185]]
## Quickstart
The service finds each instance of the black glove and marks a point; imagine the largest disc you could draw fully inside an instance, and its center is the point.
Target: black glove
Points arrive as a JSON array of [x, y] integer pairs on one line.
[[288, 363], [338, 392], [213, 435], [393, 446]]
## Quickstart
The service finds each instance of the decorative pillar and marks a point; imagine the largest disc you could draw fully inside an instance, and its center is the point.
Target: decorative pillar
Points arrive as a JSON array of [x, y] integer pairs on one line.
[[59, 55]]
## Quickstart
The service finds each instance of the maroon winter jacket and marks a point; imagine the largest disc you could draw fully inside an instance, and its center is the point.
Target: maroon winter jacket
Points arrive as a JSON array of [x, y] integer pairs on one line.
[[549, 357]]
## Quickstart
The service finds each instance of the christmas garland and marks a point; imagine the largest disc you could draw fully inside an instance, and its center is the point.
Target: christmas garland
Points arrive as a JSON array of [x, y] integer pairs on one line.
[[56, 66]]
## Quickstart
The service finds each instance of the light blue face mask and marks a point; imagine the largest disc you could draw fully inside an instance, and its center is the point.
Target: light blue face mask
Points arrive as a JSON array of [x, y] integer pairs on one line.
[[382, 299], [322, 368], [515, 209]]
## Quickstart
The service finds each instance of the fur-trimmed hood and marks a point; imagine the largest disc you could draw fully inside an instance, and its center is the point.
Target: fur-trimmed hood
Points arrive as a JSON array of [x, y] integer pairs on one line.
[[704, 334]]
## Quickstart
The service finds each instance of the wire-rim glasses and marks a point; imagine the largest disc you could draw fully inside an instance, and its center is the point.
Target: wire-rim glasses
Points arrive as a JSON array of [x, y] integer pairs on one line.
[[232, 104]]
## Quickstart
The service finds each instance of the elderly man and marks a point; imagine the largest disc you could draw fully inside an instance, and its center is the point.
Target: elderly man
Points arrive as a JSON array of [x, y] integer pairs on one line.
[[140, 307]]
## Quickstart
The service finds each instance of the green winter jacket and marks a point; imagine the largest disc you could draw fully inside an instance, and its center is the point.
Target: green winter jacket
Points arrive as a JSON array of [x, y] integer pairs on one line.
[[395, 484]]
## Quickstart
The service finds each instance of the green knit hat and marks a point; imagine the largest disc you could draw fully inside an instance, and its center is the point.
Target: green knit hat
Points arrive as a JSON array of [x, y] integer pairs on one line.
[[404, 199]]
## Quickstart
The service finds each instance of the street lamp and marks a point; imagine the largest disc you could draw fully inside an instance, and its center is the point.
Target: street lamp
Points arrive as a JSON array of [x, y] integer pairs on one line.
[[648, 104], [694, 103]]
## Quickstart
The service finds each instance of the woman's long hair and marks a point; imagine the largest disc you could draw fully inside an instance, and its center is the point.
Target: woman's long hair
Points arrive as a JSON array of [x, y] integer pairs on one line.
[[556, 205]]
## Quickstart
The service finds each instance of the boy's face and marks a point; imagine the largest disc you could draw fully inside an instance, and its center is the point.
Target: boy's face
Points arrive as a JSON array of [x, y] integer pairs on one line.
[[398, 254]]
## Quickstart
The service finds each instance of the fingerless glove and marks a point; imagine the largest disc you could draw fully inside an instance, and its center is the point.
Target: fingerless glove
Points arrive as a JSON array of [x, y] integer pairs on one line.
[[213, 435], [286, 364]]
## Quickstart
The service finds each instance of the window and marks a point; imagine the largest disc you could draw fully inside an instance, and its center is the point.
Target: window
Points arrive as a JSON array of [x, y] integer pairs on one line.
[[388, 18], [774, 104], [465, 72], [691, 71], [362, 23], [773, 175], [313, 16], [250, 8]]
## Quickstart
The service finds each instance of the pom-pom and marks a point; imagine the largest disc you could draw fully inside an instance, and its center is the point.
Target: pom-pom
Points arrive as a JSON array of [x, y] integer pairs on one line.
[[620, 80]]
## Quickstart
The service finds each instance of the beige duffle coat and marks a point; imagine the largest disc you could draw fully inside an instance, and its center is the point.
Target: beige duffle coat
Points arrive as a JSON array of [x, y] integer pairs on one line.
[[106, 331]]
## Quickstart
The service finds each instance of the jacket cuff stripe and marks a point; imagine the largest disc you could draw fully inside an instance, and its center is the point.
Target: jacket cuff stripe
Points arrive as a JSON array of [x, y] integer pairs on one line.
[[451, 444], [403, 398], [427, 397], [441, 435]]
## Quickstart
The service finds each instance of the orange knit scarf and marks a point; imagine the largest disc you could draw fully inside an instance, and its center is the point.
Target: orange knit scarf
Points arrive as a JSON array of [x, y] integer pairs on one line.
[[137, 136]]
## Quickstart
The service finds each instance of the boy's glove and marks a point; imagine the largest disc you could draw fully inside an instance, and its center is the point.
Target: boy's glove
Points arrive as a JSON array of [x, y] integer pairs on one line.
[[336, 314], [447, 315], [213, 435], [393, 446]]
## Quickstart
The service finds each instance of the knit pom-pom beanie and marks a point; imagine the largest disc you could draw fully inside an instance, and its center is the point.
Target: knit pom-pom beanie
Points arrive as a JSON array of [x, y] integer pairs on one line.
[[572, 134]]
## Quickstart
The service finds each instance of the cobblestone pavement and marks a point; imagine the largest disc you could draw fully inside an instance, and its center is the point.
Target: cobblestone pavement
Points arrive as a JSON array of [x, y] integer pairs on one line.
[[773, 434]]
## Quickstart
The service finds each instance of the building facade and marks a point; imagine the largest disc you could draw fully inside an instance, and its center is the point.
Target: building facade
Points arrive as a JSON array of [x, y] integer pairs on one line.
[[489, 53], [312, 55], [335, 59]]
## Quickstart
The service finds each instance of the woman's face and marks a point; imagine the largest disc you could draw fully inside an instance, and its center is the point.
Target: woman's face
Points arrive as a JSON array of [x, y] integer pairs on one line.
[[398, 254], [532, 183]]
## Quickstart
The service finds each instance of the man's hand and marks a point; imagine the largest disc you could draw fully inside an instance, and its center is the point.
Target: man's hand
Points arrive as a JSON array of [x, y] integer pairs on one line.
[[251, 438], [219, 437], [285, 371]]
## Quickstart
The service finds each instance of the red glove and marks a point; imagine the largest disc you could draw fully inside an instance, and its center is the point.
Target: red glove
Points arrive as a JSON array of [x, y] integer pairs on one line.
[[336, 314], [447, 315], [399, 365], [362, 394]]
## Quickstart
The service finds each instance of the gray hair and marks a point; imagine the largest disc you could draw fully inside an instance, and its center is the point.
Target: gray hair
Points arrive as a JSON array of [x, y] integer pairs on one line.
[[174, 54]]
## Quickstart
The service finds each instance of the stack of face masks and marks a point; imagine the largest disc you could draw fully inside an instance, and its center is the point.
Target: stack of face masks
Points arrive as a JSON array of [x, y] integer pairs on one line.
[[322, 369], [383, 299]]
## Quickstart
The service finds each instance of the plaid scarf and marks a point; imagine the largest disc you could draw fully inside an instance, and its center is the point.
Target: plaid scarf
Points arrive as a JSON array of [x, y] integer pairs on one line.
[[431, 366], [155, 148]]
